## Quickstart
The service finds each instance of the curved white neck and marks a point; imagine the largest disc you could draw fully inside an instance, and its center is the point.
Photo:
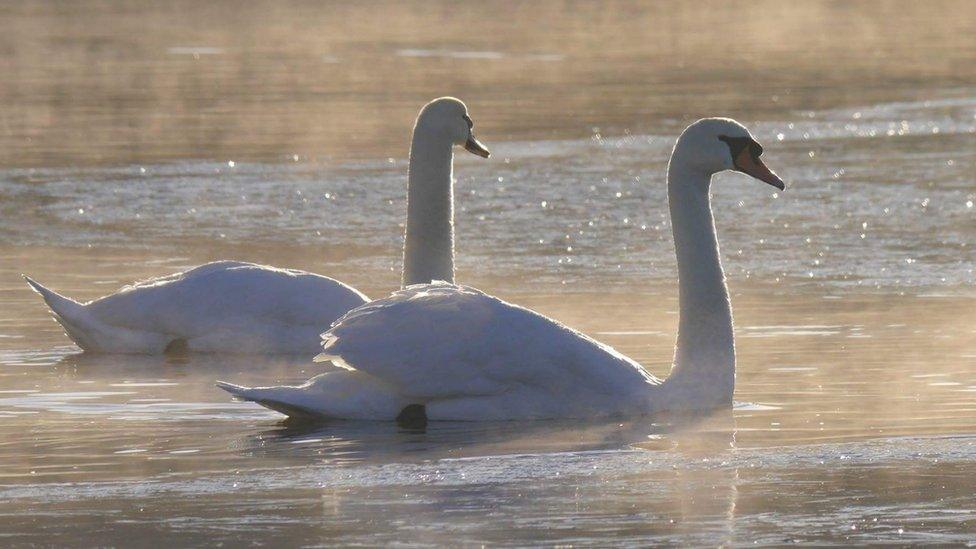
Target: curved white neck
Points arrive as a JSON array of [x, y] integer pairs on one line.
[[428, 252], [703, 372]]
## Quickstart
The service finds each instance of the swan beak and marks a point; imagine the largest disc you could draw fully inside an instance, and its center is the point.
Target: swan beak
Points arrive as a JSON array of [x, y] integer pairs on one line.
[[748, 165], [474, 146]]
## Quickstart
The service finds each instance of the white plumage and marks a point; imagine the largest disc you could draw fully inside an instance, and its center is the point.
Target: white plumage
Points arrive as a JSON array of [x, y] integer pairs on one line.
[[235, 307], [225, 306], [500, 362], [464, 355]]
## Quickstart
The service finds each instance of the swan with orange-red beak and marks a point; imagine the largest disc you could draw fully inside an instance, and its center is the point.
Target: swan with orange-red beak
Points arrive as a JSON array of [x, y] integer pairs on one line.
[[446, 352]]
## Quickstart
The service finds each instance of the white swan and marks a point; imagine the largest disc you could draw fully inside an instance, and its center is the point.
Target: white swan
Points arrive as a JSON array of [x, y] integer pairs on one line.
[[446, 352], [237, 307]]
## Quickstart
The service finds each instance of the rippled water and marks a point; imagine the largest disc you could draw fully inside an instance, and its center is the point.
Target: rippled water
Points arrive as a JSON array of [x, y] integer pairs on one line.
[[278, 133], [881, 196]]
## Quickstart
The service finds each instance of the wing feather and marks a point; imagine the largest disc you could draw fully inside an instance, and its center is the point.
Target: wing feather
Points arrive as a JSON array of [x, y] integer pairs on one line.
[[442, 341]]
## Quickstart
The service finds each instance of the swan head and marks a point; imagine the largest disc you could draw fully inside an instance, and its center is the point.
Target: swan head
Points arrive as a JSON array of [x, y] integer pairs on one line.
[[447, 118], [715, 145]]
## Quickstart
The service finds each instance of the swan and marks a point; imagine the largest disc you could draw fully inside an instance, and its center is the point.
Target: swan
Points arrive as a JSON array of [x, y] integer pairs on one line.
[[239, 307], [445, 352]]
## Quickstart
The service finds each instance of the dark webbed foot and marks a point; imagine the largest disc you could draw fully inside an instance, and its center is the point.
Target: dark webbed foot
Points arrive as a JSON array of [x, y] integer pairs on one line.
[[413, 416], [177, 347]]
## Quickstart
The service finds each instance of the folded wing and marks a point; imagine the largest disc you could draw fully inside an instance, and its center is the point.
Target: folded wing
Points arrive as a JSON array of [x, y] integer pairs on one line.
[[441, 341]]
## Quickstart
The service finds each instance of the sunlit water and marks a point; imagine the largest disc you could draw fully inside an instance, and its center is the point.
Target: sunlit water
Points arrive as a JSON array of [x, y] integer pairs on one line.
[[140, 151]]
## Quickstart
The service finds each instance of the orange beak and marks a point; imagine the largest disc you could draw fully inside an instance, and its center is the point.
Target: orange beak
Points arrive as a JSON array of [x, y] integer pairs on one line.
[[474, 146], [755, 167]]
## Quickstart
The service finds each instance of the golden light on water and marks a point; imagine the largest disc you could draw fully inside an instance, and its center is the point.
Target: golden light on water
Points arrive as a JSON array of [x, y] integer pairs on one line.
[[139, 139], [268, 80]]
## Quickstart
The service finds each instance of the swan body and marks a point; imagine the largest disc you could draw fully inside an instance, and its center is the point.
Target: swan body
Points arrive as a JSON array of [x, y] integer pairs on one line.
[[500, 362], [236, 307], [464, 355], [224, 306]]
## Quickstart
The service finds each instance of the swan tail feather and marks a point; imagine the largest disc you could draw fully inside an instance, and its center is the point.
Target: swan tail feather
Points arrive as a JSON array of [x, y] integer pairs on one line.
[[59, 304], [237, 391], [93, 335], [271, 398], [70, 314], [339, 394]]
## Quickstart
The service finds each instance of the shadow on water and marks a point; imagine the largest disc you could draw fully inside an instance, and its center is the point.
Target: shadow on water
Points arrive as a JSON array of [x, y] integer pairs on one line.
[[683, 476], [710, 432], [106, 366], [141, 387]]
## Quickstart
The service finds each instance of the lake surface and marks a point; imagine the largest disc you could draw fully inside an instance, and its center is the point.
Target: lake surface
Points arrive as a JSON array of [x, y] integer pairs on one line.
[[137, 140]]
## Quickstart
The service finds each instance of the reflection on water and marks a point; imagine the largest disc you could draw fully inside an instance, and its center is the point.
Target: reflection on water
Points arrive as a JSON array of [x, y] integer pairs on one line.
[[837, 405], [136, 140]]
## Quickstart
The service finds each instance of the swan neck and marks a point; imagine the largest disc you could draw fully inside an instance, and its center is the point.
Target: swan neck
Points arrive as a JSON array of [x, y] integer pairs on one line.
[[429, 241], [704, 361]]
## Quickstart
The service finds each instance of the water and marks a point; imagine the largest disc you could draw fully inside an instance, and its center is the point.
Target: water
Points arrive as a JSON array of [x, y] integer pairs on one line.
[[278, 133]]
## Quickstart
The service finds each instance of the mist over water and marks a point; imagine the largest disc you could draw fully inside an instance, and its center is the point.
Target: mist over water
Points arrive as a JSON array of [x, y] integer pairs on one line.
[[278, 133]]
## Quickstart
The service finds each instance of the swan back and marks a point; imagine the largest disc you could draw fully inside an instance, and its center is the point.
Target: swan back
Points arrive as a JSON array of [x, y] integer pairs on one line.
[[441, 342]]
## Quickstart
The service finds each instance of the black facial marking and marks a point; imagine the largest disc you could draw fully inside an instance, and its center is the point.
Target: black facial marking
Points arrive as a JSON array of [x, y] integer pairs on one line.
[[756, 150], [738, 144], [468, 120]]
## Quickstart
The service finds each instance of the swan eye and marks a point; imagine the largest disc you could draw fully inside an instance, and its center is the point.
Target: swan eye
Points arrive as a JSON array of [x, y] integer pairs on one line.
[[468, 120]]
